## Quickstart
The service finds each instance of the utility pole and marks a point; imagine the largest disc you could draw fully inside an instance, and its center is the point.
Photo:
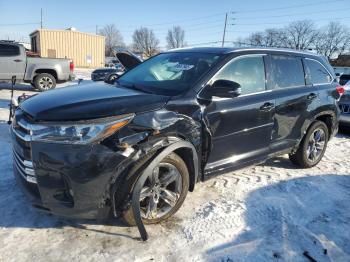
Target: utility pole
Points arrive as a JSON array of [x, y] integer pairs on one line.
[[223, 37], [41, 18]]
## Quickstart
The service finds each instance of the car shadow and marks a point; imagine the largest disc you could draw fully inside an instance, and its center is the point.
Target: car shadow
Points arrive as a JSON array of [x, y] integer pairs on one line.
[[294, 219]]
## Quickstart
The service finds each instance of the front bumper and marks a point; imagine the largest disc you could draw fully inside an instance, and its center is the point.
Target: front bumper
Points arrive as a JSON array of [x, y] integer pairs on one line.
[[98, 77], [66, 180]]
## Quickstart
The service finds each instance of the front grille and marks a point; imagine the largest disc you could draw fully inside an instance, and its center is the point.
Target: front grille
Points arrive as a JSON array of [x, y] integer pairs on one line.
[[24, 167], [344, 108], [22, 147]]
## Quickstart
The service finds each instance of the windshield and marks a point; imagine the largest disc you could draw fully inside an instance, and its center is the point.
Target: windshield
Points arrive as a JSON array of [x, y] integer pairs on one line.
[[170, 73]]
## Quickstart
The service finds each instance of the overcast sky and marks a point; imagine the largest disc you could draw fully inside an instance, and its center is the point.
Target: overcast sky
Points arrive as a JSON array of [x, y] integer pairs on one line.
[[202, 20]]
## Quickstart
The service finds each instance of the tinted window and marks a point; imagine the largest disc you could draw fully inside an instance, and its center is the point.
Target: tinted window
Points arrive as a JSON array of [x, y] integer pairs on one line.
[[248, 71], [287, 71], [9, 50], [316, 73], [344, 79]]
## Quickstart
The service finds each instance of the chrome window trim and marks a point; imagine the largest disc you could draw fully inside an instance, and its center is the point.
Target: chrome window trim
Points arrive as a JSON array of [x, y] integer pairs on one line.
[[215, 98]]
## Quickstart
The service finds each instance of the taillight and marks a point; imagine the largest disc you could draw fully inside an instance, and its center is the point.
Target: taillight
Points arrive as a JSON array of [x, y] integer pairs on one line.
[[340, 90], [71, 66]]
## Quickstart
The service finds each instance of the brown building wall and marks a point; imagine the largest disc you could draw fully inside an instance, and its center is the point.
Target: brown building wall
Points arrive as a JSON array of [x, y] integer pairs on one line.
[[78, 46]]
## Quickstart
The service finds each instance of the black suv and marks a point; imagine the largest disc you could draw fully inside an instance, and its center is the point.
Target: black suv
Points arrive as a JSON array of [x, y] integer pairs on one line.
[[167, 123]]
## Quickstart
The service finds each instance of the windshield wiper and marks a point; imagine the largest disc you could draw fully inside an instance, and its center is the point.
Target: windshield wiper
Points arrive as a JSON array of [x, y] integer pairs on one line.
[[135, 87]]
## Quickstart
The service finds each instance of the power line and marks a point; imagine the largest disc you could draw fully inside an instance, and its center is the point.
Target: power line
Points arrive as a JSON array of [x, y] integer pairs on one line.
[[34, 23], [186, 20], [291, 15], [314, 20], [290, 6]]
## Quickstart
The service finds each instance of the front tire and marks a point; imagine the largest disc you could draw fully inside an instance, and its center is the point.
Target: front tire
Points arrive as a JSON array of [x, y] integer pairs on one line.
[[312, 147], [44, 82], [163, 192]]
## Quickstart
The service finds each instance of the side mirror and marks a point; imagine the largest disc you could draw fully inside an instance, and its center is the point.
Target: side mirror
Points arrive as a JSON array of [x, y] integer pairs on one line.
[[224, 88]]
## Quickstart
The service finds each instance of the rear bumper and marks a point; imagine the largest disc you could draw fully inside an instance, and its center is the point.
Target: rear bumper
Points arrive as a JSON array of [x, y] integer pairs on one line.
[[71, 77]]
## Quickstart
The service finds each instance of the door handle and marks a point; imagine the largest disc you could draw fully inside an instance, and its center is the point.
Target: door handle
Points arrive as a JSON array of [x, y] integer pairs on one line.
[[17, 60], [311, 96], [267, 106]]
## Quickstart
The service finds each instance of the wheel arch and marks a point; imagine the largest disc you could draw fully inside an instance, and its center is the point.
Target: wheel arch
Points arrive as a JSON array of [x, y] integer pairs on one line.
[[151, 151], [328, 117], [328, 120], [143, 176], [46, 71]]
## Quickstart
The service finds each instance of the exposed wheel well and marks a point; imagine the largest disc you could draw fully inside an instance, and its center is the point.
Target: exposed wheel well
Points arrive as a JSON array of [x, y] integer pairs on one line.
[[328, 120], [48, 71], [187, 156]]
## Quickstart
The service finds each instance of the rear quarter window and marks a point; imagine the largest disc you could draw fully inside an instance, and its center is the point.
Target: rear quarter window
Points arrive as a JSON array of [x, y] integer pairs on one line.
[[8, 50], [316, 73], [287, 71]]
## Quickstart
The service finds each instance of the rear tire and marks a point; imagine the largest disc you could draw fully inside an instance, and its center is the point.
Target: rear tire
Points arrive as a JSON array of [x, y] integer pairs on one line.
[[313, 146], [44, 82], [175, 161]]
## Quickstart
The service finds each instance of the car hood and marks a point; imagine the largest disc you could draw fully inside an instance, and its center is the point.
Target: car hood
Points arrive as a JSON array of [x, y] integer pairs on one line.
[[128, 59], [89, 101]]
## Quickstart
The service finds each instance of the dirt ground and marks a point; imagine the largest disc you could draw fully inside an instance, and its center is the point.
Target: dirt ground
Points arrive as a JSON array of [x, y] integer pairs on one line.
[[273, 211]]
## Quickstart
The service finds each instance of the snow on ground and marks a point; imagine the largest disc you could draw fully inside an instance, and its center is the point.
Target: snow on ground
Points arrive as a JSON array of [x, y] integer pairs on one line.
[[268, 212]]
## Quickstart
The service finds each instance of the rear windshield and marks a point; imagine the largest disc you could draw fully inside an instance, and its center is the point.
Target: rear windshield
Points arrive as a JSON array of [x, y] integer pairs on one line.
[[169, 73]]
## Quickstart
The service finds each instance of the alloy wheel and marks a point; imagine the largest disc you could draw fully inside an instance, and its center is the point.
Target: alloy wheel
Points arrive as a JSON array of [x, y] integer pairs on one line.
[[161, 191], [45, 83], [316, 145]]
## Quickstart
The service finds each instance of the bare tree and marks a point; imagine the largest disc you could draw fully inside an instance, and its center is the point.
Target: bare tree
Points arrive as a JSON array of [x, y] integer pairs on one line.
[[274, 37], [271, 37], [333, 39], [145, 41], [300, 35], [176, 37], [114, 39], [256, 39]]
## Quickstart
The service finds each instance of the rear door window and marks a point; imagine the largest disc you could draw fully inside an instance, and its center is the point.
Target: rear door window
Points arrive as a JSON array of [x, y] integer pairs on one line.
[[8, 50], [316, 73], [287, 71], [248, 71]]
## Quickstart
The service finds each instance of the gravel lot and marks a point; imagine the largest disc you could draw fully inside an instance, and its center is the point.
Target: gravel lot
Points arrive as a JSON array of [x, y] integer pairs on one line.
[[268, 212]]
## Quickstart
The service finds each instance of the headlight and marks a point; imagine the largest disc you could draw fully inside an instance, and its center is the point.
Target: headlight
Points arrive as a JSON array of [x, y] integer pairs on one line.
[[81, 132]]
